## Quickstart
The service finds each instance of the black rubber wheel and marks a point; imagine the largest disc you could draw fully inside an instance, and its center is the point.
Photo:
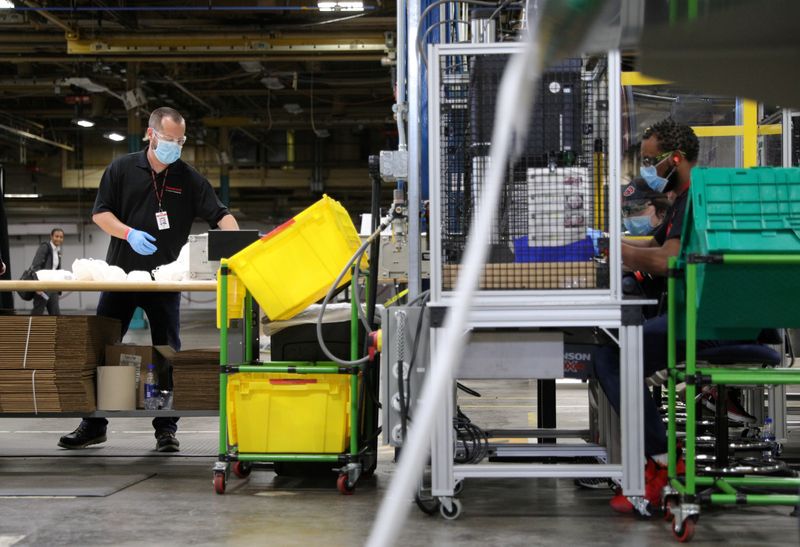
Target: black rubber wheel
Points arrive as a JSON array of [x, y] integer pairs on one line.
[[453, 513], [242, 469], [428, 506]]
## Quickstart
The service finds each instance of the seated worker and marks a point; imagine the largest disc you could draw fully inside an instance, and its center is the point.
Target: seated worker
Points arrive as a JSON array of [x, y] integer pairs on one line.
[[643, 209], [668, 153]]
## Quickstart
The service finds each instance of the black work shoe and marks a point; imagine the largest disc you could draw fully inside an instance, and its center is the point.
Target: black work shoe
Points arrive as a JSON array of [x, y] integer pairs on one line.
[[82, 437], [166, 442]]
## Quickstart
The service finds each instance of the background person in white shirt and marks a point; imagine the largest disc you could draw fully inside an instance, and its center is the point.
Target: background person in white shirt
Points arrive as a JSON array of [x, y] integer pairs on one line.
[[48, 257]]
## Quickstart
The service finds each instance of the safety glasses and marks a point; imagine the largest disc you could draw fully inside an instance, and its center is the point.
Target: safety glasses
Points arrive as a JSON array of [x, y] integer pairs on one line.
[[180, 142], [649, 161]]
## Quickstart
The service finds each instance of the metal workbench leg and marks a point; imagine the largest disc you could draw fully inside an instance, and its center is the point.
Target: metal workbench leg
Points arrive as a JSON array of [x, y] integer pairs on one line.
[[632, 409]]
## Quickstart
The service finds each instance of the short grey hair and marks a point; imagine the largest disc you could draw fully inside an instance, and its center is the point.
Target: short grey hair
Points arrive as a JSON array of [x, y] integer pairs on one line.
[[164, 112]]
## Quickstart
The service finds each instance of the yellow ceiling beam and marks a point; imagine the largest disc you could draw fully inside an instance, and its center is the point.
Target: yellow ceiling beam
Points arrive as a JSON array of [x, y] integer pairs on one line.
[[637, 78], [224, 43], [770, 129], [718, 130]]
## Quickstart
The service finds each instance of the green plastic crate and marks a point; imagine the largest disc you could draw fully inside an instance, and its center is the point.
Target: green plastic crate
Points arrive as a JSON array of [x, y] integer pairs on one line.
[[743, 211]]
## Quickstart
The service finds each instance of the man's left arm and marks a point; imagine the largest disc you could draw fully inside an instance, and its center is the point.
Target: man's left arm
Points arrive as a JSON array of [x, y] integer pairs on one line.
[[652, 260]]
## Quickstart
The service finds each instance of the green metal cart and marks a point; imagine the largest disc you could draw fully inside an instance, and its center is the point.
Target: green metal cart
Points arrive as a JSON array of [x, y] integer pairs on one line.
[[736, 274], [360, 457]]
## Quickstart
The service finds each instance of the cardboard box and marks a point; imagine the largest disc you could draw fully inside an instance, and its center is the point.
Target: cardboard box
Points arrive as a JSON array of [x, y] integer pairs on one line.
[[139, 357]]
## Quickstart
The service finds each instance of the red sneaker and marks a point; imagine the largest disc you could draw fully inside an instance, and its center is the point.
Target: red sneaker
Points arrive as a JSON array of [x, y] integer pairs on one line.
[[655, 479], [735, 410]]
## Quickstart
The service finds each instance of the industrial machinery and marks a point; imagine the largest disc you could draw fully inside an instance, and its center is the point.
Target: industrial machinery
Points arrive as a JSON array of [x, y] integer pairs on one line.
[[554, 259]]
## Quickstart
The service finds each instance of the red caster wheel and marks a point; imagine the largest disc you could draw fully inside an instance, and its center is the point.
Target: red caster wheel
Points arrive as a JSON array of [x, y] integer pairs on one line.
[[344, 487], [684, 533], [242, 469], [219, 483], [668, 511]]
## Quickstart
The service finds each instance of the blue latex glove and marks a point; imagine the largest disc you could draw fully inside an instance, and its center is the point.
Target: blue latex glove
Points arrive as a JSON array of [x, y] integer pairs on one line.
[[594, 235], [140, 242]]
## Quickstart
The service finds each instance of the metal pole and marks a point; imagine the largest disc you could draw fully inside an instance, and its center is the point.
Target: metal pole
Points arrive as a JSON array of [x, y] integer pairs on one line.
[[672, 458], [786, 137], [414, 91], [691, 364], [402, 52], [223, 358]]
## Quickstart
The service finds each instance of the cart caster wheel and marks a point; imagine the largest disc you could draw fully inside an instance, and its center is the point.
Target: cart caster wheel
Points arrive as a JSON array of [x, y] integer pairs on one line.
[[429, 506], [458, 488], [684, 533], [453, 513], [344, 486], [219, 483], [242, 469], [668, 516]]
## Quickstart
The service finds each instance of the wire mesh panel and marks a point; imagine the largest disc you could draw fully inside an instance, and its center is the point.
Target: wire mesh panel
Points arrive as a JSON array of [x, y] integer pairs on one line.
[[550, 231]]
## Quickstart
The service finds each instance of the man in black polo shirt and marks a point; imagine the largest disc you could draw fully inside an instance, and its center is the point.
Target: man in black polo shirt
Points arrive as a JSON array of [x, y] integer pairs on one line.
[[147, 202], [668, 151]]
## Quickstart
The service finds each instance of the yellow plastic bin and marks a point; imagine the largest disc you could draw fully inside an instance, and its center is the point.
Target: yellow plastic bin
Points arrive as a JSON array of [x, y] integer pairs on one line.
[[289, 413], [236, 293], [295, 264]]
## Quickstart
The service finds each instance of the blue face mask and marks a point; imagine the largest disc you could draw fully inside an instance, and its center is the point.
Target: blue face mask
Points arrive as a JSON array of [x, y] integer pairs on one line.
[[167, 152], [650, 176], [638, 226]]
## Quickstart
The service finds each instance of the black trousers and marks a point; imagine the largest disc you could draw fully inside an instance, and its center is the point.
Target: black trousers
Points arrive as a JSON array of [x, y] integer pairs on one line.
[[163, 313], [50, 303]]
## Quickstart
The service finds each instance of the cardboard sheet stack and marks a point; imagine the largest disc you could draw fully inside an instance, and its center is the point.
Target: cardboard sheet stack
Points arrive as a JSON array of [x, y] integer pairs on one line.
[[195, 379], [47, 364]]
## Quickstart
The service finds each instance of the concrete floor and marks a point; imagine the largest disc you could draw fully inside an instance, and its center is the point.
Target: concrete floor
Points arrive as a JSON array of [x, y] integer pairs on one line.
[[177, 506]]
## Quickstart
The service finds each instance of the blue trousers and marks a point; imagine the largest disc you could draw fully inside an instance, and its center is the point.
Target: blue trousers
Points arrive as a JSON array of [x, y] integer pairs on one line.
[[654, 341], [163, 312]]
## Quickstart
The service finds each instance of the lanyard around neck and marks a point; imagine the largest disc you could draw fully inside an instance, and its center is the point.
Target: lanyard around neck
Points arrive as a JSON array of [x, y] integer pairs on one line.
[[159, 195]]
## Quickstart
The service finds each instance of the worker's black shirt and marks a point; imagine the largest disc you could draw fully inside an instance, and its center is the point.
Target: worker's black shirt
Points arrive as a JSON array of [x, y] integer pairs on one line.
[[127, 190], [673, 220]]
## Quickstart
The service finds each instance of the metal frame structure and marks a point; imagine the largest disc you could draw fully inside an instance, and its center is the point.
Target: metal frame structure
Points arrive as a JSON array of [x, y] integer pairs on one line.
[[540, 308], [682, 495]]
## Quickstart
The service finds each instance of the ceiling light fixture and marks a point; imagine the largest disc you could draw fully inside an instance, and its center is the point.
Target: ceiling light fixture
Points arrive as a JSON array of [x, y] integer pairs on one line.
[[293, 108], [83, 122], [114, 136], [338, 5], [6, 4], [21, 196], [271, 82]]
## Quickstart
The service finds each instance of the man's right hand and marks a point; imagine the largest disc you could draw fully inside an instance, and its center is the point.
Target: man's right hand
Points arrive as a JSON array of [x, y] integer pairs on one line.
[[140, 242]]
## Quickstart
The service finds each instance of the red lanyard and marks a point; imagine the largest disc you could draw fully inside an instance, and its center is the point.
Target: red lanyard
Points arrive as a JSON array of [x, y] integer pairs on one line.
[[159, 195]]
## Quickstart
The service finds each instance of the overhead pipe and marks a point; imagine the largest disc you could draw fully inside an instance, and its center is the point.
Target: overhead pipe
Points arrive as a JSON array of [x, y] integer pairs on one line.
[[205, 58], [31, 136], [34, 6], [189, 93]]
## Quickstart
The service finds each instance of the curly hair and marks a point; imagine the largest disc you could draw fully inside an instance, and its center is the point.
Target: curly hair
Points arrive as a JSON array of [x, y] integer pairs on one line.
[[672, 135]]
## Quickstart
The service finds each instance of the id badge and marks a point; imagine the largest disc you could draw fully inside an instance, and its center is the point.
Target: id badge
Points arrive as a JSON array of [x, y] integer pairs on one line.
[[162, 220]]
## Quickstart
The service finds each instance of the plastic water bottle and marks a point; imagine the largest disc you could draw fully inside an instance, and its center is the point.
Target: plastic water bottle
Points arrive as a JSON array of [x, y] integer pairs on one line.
[[768, 435], [151, 394]]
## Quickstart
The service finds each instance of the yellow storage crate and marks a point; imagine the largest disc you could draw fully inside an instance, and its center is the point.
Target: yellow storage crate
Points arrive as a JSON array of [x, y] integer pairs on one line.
[[236, 294], [295, 264], [289, 413]]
